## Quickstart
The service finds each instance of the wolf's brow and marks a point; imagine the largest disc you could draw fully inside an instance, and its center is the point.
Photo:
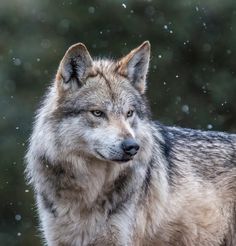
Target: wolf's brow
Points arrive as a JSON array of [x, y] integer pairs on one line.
[[107, 83]]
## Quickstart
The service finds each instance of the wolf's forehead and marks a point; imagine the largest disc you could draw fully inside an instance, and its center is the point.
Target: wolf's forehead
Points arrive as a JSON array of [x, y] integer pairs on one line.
[[108, 84], [102, 91], [106, 91]]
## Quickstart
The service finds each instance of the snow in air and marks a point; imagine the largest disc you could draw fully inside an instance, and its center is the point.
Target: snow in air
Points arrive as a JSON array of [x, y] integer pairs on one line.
[[18, 217]]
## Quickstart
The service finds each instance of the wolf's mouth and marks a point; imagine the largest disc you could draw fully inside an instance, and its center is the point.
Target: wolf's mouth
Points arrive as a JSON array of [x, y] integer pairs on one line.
[[124, 159], [102, 156]]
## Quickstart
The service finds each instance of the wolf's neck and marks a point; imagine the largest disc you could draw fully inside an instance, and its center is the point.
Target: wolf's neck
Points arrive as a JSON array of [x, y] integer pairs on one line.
[[99, 181]]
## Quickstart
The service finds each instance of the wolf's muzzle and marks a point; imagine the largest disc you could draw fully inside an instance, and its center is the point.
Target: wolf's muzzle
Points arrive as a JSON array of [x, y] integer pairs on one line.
[[130, 147]]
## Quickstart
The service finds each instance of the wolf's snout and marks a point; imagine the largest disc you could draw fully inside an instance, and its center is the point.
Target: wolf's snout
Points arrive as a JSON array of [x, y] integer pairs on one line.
[[130, 146]]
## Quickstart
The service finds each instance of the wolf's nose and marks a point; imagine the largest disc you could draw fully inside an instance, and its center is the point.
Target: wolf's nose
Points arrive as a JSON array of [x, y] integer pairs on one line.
[[130, 146]]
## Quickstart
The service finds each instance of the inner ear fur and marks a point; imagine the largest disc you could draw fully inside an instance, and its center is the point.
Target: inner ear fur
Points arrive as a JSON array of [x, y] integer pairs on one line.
[[74, 67]]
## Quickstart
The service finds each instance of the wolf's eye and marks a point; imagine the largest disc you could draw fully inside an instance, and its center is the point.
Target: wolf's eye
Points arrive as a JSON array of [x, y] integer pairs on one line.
[[97, 113], [130, 113]]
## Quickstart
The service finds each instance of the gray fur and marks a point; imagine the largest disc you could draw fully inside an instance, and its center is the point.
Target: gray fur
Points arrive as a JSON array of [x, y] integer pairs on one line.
[[179, 189]]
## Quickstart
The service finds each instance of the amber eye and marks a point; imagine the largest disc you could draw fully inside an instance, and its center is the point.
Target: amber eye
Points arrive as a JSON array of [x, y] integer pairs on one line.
[[130, 113], [97, 113]]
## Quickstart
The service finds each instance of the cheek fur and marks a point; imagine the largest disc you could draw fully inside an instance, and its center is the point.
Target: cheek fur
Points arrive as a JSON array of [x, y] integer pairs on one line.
[[134, 122]]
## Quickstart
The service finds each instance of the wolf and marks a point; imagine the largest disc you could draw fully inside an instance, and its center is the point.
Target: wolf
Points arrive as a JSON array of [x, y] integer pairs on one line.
[[105, 174]]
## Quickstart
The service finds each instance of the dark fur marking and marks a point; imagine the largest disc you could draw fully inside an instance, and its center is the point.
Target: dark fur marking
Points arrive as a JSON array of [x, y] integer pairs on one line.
[[71, 112], [168, 153], [74, 73], [148, 177], [57, 169], [120, 204], [108, 85], [122, 181], [68, 110], [166, 146], [119, 189], [230, 237], [49, 205], [44, 160]]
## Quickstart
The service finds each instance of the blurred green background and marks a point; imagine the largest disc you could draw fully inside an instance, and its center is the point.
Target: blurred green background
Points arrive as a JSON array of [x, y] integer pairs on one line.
[[192, 81]]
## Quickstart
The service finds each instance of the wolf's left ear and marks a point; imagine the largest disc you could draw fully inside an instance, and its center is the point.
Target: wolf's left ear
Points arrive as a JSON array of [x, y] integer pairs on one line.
[[75, 66], [135, 65]]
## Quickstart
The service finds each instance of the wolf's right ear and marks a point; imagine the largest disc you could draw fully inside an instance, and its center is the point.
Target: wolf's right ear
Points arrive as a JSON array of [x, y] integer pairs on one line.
[[74, 67]]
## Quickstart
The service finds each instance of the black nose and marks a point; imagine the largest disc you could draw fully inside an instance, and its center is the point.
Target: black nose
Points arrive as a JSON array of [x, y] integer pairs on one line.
[[130, 146]]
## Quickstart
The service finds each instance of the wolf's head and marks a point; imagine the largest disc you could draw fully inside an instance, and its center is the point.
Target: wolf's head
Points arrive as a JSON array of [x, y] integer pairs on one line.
[[100, 109]]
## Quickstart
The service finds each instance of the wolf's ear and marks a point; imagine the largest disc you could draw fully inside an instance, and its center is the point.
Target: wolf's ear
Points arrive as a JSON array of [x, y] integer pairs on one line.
[[135, 66], [75, 66]]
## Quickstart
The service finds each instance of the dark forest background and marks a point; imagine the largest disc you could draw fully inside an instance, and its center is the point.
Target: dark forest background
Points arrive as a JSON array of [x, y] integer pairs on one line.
[[192, 80]]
